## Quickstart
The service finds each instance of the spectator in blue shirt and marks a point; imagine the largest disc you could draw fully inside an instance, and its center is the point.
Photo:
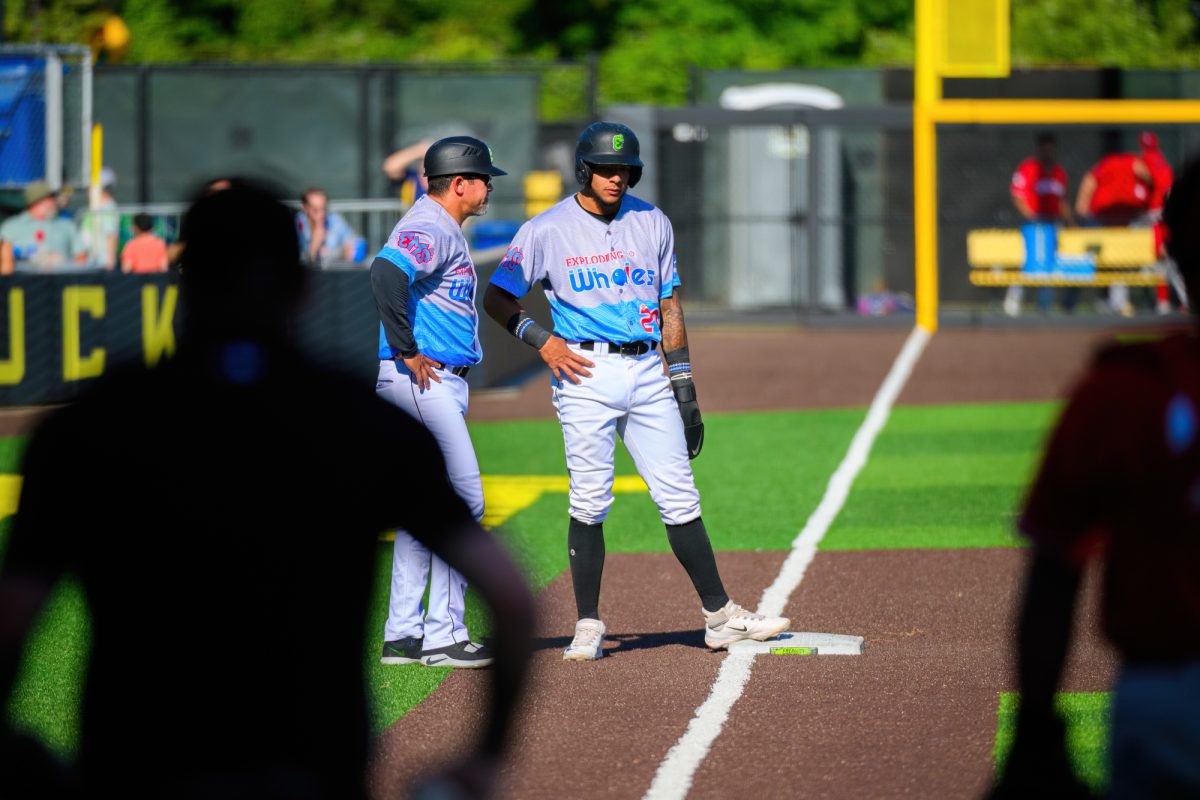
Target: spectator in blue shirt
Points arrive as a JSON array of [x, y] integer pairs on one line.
[[324, 236]]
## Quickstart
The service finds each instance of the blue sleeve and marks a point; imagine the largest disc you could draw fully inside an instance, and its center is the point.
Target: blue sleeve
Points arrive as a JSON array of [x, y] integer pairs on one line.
[[520, 267], [411, 250], [667, 264]]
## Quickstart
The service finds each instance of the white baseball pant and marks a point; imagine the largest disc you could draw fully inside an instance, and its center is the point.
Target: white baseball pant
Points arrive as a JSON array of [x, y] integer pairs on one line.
[[442, 408], [630, 397]]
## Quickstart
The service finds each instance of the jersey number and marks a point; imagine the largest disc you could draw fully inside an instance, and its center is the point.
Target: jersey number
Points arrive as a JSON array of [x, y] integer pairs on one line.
[[649, 319]]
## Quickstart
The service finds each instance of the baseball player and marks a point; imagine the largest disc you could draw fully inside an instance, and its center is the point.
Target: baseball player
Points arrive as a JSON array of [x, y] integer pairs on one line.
[[1038, 189], [424, 284], [606, 261], [1120, 483]]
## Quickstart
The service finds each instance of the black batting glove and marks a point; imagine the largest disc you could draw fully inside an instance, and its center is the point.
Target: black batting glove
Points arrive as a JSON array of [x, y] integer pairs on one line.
[[679, 367], [689, 411]]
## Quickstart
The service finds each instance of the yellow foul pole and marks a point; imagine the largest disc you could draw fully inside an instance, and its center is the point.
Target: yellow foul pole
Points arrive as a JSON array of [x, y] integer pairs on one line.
[[96, 165], [927, 91]]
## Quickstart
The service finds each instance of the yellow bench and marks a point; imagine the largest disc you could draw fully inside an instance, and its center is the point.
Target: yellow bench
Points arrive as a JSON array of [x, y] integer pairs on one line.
[[1123, 255]]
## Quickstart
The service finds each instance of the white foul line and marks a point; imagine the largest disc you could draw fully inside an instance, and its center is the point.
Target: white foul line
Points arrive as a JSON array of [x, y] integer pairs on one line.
[[675, 773]]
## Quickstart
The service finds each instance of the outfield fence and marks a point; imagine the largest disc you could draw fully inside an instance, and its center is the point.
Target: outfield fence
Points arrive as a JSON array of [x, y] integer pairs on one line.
[[810, 210]]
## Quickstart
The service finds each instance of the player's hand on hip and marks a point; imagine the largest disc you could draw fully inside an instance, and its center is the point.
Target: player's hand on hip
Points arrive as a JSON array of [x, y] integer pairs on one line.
[[423, 370], [564, 362]]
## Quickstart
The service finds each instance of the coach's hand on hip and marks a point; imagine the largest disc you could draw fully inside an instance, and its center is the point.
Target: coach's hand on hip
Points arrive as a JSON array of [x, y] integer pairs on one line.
[[564, 362], [423, 370], [689, 411]]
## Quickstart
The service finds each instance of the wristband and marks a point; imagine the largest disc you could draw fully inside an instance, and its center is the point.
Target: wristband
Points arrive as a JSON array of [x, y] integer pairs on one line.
[[679, 365], [522, 326]]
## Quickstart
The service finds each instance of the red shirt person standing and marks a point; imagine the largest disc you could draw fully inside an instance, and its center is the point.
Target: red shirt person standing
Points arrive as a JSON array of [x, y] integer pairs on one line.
[[1163, 176], [1039, 184], [1038, 189]]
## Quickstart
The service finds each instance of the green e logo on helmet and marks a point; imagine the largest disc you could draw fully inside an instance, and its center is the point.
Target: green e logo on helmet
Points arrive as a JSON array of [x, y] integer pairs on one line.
[[618, 141]]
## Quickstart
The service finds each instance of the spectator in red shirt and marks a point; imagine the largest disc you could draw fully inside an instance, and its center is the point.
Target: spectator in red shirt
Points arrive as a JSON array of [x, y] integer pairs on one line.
[[1163, 176], [1115, 192], [1039, 188], [1120, 483], [145, 252]]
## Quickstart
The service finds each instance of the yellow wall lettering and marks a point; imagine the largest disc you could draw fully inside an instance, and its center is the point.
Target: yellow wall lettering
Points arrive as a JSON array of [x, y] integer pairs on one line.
[[12, 369], [78, 300], [158, 334]]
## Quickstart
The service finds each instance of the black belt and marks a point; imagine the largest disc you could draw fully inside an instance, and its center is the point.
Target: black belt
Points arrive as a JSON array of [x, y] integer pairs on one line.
[[459, 371], [627, 349]]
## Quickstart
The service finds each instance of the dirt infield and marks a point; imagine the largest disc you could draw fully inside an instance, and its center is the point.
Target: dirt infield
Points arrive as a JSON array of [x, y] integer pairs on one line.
[[914, 716]]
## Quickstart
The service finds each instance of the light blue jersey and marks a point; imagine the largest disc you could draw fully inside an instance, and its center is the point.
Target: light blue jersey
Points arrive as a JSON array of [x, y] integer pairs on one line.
[[430, 247], [603, 281]]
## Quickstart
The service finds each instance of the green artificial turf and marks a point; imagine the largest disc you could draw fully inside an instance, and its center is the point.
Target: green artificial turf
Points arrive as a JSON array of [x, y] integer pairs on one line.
[[944, 476], [48, 691], [46, 696], [12, 450], [938, 477], [1086, 715], [394, 690], [759, 477]]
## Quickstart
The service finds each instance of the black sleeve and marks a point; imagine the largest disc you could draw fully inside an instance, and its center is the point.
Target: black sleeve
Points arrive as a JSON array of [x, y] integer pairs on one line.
[[390, 286]]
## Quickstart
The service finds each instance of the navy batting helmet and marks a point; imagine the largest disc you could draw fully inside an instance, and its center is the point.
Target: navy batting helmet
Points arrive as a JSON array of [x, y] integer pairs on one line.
[[607, 143], [459, 155]]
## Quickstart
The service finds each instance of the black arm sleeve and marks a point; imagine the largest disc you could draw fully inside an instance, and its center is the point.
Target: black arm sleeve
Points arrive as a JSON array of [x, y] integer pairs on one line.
[[390, 286]]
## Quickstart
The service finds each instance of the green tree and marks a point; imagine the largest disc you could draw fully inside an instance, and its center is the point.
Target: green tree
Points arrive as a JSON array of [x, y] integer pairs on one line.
[[645, 47], [655, 41], [1121, 33]]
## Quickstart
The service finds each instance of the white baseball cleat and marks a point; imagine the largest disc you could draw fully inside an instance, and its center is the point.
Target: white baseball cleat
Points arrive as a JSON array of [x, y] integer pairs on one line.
[[588, 642], [734, 623]]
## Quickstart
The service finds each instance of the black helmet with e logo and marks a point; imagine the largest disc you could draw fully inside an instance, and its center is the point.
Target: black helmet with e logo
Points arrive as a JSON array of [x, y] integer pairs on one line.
[[607, 143]]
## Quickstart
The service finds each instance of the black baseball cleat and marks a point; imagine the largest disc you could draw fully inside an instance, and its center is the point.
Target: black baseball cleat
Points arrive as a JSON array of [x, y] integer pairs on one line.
[[402, 651], [463, 655]]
